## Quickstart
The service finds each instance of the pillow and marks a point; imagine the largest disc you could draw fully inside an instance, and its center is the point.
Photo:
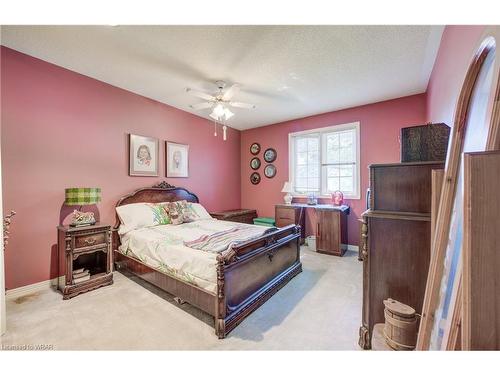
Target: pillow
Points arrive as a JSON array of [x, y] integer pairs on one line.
[[200, 211], [174, 213], [160, 212], [181, 212], [142, 215]]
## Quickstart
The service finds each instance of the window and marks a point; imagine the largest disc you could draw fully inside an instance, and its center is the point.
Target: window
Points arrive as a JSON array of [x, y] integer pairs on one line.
[[325, 160]]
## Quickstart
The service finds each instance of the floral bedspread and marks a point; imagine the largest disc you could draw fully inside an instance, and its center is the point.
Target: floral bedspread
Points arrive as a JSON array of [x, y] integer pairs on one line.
[[162, 247]]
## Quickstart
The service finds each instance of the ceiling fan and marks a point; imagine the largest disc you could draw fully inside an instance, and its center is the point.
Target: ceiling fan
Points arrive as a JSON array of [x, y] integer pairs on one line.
[[219, 103]]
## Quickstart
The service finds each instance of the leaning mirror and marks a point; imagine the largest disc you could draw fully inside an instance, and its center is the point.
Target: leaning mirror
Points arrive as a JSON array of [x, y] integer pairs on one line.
[[474, 129]]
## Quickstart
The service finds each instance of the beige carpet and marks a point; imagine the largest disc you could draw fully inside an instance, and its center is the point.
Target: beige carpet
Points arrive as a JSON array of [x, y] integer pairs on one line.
[[319, 309]]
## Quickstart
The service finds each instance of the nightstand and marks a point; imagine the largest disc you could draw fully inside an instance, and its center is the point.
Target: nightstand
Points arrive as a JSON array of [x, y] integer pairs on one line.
[[87, 248]]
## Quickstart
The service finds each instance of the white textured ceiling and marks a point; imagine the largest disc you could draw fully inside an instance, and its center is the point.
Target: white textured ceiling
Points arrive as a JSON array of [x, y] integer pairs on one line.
[[289, 72]]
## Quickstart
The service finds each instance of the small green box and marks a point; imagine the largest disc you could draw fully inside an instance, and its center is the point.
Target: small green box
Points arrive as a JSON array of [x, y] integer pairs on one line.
[[265, 221]]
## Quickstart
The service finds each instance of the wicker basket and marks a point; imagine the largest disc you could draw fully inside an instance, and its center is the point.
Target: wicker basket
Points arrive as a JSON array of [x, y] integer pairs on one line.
[[400, 330]]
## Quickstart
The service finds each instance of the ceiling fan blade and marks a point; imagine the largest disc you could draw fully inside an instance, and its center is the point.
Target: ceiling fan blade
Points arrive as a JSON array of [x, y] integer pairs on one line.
[[200, 94], [242, 105], [232, 91], [201, 105]]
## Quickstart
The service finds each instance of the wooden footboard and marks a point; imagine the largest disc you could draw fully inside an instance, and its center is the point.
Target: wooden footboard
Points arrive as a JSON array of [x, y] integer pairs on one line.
[[251, 273]]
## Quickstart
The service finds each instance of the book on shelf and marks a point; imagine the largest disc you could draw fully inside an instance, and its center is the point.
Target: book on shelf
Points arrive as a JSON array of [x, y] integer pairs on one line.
[[78, 270], [79, 274], [81, 279]]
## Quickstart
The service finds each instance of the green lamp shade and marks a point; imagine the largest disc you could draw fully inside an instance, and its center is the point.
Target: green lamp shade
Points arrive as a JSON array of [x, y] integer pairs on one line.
[[82, 196]]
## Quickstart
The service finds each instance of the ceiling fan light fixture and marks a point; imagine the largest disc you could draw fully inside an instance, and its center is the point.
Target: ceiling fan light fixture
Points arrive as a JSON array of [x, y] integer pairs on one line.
[[219, 110], [228, 114], [219, 103]]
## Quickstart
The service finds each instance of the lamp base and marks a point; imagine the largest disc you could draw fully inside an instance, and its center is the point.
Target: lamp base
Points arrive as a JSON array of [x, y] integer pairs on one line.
[[288, 199]]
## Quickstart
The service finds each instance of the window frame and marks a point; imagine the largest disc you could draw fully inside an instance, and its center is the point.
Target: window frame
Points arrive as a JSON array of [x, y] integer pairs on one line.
[[322, 179]]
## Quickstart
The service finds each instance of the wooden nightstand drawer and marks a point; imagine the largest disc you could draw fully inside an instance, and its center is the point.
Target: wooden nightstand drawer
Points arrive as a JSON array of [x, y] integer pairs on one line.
[[93, 239]]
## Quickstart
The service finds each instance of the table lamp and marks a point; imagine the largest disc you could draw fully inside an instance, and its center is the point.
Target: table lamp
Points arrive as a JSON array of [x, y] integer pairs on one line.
[[287, 188], [82, 197]]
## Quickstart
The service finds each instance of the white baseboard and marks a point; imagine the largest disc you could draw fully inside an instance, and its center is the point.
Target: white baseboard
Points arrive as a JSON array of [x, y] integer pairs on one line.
[[349, 247], [353, 248], [32, 288]]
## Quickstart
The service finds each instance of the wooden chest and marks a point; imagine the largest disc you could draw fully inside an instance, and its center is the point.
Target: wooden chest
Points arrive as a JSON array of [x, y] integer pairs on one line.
[[239, 215], [424, 143]]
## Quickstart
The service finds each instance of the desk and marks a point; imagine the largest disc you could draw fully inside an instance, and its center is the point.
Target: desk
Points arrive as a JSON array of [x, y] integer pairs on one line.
[[331, 227]]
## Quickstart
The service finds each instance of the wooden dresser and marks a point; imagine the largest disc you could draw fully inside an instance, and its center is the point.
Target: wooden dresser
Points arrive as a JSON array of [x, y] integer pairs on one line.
[[395, 240], [291, 214]]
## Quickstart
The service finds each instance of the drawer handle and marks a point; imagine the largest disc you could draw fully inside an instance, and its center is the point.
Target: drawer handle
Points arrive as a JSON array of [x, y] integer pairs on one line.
[[90, 241]]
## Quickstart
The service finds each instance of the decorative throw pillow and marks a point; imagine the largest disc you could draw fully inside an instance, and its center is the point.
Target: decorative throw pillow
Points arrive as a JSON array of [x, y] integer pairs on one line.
[[175, 213], [181, 212], [188, 213], [161, 215]]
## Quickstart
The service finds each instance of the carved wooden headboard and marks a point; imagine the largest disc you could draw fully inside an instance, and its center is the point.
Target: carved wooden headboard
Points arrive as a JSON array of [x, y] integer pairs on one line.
[[162, 192]]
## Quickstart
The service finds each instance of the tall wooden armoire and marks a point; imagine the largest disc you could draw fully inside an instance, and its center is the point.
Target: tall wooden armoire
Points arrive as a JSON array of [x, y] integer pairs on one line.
[[395, 239]]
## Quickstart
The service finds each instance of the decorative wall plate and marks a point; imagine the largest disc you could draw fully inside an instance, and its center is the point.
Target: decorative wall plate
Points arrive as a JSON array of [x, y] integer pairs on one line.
[[255, 148], [255, 163], [255, 178], [270, 155], [270, 171]]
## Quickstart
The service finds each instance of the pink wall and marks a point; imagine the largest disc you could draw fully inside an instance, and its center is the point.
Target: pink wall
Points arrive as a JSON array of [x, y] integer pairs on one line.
[[63, 129], [453, 59], [380, 124]]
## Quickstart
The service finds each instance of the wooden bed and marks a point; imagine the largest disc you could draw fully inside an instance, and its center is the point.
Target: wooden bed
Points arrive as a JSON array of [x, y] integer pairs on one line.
[[247, 276]]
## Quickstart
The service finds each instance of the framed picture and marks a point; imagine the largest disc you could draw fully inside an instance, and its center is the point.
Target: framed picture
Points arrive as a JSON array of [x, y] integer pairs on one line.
[[255, 163], [143, 155], [270, 155], [255, 178], [270, 171], [177, 159], [255, 148]]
